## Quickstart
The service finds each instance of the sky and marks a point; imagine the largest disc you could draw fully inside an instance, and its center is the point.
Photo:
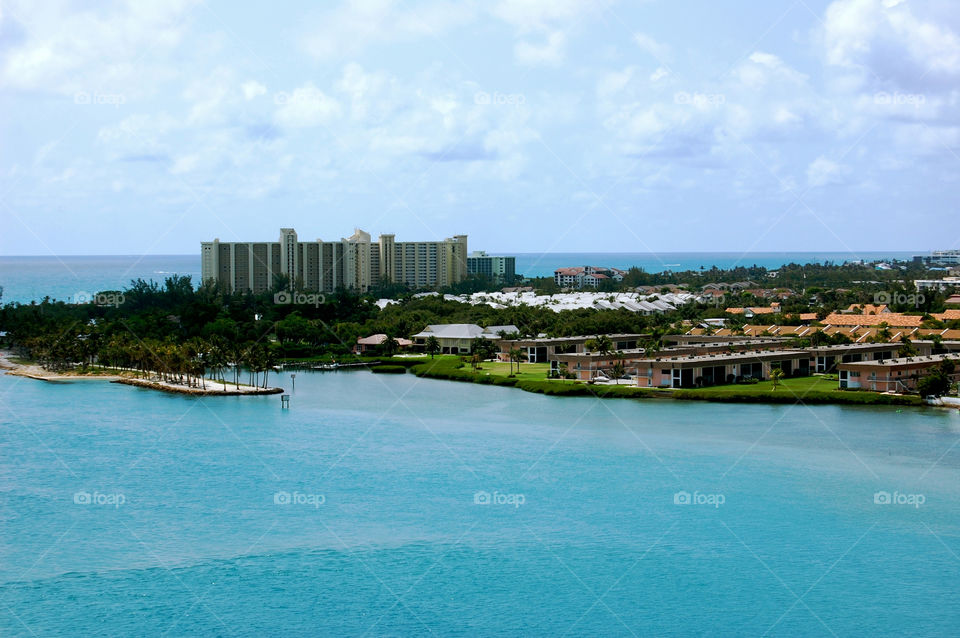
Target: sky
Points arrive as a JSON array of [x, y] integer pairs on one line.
[[146, 127]]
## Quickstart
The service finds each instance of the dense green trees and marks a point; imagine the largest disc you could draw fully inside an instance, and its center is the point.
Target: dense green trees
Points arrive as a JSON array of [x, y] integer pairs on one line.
[[938, 380]]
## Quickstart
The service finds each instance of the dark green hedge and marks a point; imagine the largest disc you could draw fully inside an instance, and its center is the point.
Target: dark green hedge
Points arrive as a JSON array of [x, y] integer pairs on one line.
[[815, 397], [388, 369]]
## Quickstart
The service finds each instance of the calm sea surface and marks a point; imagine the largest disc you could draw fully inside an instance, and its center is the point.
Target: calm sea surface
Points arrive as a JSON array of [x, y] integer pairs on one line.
[[388, 505], [66, 278]]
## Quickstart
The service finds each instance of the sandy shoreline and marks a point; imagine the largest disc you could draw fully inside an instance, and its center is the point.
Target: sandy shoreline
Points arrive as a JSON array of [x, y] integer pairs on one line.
[[36, 372], [213, 388]]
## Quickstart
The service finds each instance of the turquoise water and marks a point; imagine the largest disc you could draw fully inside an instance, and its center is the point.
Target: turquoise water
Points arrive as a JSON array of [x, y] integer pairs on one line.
[[184, 534], [32, 278]]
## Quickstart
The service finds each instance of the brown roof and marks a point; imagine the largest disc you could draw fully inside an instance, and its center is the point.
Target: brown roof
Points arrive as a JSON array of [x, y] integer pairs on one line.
[[757, 310], [868, 309], [949, 315], [377, 339], [892, 319], [856, 333]]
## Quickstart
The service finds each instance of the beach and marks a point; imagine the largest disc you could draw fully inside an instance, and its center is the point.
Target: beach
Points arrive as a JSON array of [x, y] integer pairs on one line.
[[210, 388]]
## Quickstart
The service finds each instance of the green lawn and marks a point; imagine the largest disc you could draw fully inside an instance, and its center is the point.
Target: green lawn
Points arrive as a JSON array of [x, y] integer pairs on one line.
[[797, 386], [447, 365], [533, 378], [533, 371]]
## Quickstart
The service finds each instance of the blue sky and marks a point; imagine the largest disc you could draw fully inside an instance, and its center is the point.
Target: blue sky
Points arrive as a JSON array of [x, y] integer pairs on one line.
[[534, 125]]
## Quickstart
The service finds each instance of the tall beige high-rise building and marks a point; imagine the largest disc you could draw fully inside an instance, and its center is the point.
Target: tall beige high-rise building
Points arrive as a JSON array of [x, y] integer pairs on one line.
[[354, 262]]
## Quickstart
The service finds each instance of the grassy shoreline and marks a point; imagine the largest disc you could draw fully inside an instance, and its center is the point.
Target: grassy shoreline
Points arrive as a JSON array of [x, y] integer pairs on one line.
[[812, 390]]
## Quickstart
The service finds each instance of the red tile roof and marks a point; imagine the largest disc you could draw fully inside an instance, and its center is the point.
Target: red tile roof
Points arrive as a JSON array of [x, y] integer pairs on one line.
[[892, 319]]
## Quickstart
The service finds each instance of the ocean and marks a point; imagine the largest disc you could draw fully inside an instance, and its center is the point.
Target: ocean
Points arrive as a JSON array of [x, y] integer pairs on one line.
[[382, 505], [26, 279]]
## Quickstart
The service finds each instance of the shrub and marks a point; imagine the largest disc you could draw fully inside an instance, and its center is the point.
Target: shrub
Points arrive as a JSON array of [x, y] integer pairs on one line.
[[388, 369]]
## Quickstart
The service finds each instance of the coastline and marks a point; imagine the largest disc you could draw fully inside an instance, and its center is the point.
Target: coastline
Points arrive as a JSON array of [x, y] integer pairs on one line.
[[215, 388], [228, 391], [31, 371]]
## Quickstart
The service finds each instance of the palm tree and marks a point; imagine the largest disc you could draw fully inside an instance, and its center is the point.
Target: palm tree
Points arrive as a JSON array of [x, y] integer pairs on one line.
[[776, 376], [268, 359], [483, 348], [884, 331], [604, 345], [652, 347], [217, 359], [516, 355], [390, 346], [239, 355], [906, 349], [619, 370], [432, 346]]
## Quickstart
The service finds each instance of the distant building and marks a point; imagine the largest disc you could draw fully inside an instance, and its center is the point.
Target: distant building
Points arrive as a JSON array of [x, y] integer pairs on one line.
[[940, 258], [497, 268], [365, 344], [750, 313], [940, 285], [866, 309], [355, 262], [456, 338], [586, 276], [545, 349], [890, 375], [712, 369]]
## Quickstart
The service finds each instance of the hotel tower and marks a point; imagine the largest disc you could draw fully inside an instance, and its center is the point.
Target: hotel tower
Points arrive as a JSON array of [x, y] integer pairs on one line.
[[317, 266]]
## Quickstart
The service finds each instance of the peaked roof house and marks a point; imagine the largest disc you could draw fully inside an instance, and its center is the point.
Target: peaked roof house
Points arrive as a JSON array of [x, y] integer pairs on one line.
[[867, 309], [456, 338], [365, 344]]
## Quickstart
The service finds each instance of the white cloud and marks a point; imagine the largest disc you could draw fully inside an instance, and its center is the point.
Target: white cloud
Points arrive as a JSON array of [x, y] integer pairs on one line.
[[761, 69], [550, 52], [613, 82], [304, 107], [659, 74], [252, 89], [543, 15], [352, 27], [823, 172], [887, 43], [185, 164], [651, 46], [65, 50]]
